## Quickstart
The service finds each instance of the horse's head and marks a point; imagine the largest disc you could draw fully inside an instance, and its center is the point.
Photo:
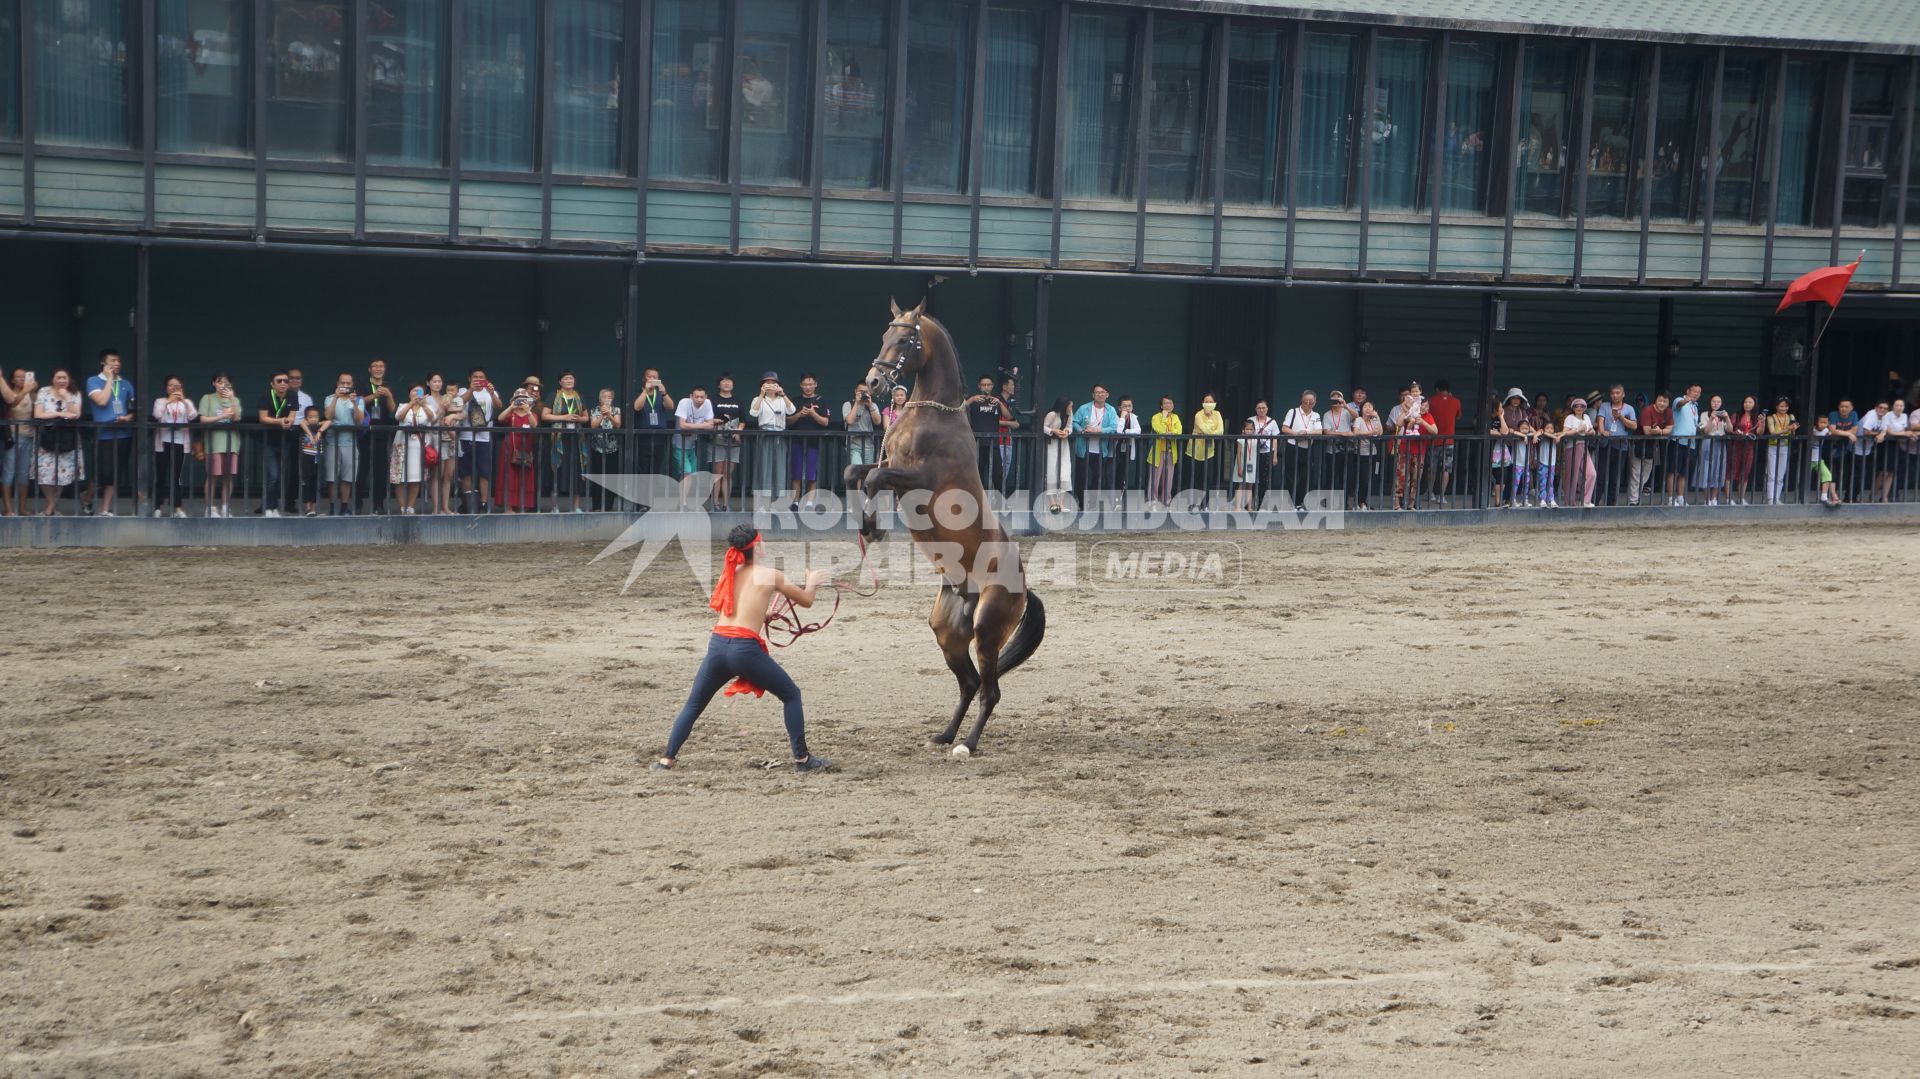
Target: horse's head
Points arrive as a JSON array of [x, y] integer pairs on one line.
[[902, 351]]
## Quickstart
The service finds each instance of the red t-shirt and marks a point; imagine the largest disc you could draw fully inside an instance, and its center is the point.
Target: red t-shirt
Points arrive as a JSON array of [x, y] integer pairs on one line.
[[1445, 410]]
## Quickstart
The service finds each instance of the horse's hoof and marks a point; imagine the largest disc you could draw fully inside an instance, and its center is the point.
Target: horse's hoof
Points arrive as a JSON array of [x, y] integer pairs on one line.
[[941, 740], [962, 752]]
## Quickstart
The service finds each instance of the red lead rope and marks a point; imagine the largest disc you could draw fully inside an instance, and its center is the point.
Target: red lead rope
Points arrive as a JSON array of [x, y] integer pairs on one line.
[[783, 617]]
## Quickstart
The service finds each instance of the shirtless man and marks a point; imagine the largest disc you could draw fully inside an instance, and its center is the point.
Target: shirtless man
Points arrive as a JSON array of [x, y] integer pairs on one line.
[[16, 447], [737, 651]]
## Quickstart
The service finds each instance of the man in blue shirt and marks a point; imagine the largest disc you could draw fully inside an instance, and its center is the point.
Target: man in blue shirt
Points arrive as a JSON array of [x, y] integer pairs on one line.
[[1093, 454], [1680, 445], [1845, 466], [1615, 420], [110, 400]]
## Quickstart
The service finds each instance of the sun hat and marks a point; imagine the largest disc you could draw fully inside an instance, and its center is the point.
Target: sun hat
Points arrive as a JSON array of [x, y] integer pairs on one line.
[[1515, 392], [769, 376]]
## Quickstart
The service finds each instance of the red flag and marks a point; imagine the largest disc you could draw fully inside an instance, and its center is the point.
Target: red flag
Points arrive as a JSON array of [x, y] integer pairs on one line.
[[1826, 284]]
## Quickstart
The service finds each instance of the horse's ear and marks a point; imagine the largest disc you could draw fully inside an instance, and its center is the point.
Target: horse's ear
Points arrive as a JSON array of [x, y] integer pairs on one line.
[[918, 311], [895, 304]]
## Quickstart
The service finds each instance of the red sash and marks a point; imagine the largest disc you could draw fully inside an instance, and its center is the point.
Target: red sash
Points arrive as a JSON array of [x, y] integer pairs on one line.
[[741, 685]]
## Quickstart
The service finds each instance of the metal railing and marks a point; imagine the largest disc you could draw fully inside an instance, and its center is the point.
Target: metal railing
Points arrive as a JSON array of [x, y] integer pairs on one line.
[[248, 469]]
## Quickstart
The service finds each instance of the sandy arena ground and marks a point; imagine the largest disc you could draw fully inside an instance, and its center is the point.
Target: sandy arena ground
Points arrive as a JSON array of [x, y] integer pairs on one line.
[[1543, 803]]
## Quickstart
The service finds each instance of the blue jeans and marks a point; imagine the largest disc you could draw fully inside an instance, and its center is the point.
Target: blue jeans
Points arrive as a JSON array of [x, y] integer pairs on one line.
[[737, 657]]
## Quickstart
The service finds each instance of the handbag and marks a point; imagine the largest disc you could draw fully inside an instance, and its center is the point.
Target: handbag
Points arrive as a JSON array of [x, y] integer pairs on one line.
[[59, 436], [429, 455], [199, 449]]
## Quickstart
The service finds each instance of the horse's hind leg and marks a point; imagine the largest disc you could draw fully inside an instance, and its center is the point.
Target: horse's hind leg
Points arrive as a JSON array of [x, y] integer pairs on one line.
[[952, 623], [996, 616]]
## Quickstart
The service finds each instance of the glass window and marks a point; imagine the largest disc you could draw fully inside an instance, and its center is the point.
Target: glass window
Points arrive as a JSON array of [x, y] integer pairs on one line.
[[589, 38], [939, 62], [1800, 142], [1738, 194], [855, 95], [1256, 82], [307, 80], [1913, 183], [1102, 76], [1397, 122], [1680, 121], [1326, 119], [1178, 113], [201, 76], [687, 131], [1869, 147], [406, 95], [1010, 145], [499, 53], [1466, 167], [1613, 141], [773, 92], [1546, 118], [82, 75], [9, 85]]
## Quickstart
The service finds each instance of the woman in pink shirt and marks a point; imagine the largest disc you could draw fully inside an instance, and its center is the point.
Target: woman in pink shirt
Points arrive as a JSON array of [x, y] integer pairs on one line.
[[172, 441]]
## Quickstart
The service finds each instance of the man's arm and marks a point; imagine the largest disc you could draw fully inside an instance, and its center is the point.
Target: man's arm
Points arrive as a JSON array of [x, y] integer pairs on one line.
[[102, 395], [803, 596]]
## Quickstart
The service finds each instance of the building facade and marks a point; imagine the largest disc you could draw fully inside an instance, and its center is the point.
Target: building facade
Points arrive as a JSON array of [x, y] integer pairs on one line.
[[1245, 199]]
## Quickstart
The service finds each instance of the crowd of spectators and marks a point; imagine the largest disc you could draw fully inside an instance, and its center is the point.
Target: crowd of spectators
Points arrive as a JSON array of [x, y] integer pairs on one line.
[[442, 446]]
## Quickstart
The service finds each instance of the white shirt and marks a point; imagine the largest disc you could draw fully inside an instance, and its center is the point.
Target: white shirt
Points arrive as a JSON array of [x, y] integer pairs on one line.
[[1302, 421], [1870, 421], [169, 411], [1265, 426], [771, 412], [1129, 425], [1577, 424], [1365, 426], [688, 412], [480, 406], [1899, 424]]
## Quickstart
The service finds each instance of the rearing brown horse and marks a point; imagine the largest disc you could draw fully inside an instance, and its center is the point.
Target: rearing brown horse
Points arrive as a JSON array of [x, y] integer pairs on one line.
[[929, 462]]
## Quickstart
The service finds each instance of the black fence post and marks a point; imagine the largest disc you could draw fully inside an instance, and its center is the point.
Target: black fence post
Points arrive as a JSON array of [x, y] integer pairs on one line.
[[142, 377]]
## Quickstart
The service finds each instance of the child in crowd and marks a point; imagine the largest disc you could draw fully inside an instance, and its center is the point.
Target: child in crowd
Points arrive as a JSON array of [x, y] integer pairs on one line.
[[1546, 452], [1246, 467], [312, 428], [1827, 445], [1524, 448]]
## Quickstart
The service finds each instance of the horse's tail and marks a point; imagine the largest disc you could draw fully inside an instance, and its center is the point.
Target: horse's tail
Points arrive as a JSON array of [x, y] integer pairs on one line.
[[1027, 635]]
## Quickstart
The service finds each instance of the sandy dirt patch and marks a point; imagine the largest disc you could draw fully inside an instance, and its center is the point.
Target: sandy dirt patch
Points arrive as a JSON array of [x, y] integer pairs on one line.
[[1427, 803]]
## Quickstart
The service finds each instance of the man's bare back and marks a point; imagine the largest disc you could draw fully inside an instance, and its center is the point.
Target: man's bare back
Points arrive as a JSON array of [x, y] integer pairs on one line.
[[754, 587]]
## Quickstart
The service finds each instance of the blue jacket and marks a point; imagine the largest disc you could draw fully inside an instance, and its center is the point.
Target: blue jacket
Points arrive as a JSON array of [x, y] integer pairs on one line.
[[1109, 423]]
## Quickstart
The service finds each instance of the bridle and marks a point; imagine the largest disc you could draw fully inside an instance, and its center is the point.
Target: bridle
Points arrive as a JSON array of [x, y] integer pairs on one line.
[[890, 370]]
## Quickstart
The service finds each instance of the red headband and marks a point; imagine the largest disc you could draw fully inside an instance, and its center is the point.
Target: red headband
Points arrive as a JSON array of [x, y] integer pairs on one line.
[[722, 598]]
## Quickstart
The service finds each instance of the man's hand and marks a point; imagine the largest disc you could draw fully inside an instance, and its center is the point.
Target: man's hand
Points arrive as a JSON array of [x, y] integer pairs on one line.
[[816, 578]]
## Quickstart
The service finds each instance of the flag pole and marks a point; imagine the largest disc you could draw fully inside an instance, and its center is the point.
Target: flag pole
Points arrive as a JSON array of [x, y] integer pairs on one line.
[[1834, 307]]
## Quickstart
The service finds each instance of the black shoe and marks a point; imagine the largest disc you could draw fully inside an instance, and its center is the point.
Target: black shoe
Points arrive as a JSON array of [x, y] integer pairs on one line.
[[659, 765], [814, 763]]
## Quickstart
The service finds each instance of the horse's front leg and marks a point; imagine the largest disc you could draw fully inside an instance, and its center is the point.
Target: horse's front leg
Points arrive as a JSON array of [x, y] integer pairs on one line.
[[855, 476], [884, 477]]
